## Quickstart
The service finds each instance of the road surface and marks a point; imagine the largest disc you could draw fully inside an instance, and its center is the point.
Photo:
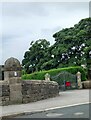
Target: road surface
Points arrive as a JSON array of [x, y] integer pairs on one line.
[[77, 111]]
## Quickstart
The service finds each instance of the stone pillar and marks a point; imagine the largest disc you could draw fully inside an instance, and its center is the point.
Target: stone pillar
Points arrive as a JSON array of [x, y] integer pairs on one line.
[[79, 80], [15, 93], [47, 77], [12, 72]]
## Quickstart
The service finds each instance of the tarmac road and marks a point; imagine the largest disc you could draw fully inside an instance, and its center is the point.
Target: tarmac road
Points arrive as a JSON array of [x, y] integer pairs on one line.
[[78, 111]]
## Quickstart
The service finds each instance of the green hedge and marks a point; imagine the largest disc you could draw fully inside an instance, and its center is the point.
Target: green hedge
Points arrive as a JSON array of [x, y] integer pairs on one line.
[[40, 75]]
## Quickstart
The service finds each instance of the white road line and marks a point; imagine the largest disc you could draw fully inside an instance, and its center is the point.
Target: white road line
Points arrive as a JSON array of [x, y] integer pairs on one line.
[[79, 113], [54, 114], [67, 106]]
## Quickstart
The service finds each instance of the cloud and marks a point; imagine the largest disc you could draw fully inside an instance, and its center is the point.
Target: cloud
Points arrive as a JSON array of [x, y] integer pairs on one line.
[[90, 9], [23, 9], [45, 1], [24, 22]]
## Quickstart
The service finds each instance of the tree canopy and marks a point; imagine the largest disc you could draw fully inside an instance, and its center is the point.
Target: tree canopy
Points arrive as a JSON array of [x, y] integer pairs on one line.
[[72, 47], [36, 55]]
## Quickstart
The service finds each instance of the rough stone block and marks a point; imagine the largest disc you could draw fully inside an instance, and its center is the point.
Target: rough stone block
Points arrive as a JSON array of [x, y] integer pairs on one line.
[[14, 80], [15, 87], [15, 97], [5, 88], [5, 93], [86, 84], [1, 99]]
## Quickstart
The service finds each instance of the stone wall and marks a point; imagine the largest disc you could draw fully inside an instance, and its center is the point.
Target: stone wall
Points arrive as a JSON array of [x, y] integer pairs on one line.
[[1, 72], [38, 90], [86, 84], [4, 94], [14, 90], [27, 91]]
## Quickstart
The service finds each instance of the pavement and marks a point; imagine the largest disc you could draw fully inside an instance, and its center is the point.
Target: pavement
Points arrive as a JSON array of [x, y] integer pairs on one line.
[[66, 98]]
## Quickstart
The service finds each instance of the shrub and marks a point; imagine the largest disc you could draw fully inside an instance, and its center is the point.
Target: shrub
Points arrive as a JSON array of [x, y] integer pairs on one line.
[[41, 75]]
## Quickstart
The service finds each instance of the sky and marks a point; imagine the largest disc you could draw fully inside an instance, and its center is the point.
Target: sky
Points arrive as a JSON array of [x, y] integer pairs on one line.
[[23, 22]]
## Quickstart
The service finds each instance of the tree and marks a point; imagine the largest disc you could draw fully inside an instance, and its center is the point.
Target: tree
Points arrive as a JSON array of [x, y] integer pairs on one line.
[[36, 56], [71, 42], [88, 59], [71, 48]]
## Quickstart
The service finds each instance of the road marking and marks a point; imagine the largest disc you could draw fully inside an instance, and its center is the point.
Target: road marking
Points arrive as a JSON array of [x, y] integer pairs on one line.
[[54, 114], [72, 105], [79, 113]]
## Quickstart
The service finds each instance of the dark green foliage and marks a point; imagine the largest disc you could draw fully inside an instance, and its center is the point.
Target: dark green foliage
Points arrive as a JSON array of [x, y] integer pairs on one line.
[[36, 56], [40, 75], [72, 42], [71, 48]]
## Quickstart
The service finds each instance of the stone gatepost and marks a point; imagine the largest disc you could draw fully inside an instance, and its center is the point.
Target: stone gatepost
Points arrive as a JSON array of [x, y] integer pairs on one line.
[[47, 77], [89, 74], [12, 75], [79, 80]]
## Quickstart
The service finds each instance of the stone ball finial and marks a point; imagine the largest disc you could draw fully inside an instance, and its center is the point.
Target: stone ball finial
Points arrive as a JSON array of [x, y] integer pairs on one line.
[[12, 64], [78, 73]]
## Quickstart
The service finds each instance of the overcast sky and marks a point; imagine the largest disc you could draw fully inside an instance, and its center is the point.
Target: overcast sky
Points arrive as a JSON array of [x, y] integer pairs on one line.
[[23, 22]]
